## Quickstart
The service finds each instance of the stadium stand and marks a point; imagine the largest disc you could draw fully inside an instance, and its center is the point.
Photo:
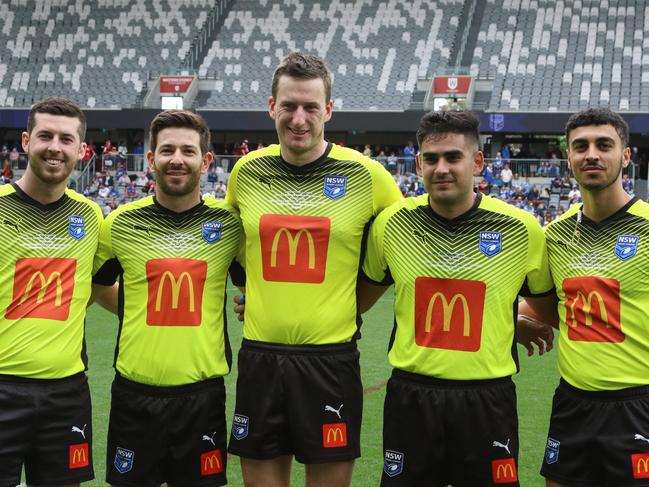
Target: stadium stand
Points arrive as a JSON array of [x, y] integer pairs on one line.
[[376, 50], [98, 53], [547, 55]]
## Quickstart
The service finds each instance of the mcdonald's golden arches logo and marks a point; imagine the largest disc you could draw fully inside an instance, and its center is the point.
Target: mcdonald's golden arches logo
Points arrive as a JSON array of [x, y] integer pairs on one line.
[[593, 309], [504, 471], [334, 435], [294, 248], [175, 291], [448, 313], [211, 463], [79, 456], [43, 288], [640, 463]]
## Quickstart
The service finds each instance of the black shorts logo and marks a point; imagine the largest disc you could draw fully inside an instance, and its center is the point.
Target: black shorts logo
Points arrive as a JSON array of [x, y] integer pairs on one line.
[[240, 426]]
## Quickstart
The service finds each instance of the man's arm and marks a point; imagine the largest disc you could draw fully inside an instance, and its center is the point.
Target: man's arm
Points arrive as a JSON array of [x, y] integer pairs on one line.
[[536, 319], [368, 294], [105, 296]]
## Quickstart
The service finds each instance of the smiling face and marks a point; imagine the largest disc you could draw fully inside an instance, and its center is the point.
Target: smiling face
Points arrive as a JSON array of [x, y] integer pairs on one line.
[[597, 156], [300, 111], [53, 148], [447, 164], [178, 161]]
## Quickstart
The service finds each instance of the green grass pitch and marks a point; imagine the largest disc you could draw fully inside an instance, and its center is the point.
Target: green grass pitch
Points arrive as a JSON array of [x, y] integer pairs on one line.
[[535, 386]]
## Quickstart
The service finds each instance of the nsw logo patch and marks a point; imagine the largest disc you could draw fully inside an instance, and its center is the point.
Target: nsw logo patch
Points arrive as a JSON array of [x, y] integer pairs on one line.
[[626, 246], [552, 451], [240, 425], [76, 227], [491, 243], [334, 187], [393, 463], [211, 231], [124, 460]]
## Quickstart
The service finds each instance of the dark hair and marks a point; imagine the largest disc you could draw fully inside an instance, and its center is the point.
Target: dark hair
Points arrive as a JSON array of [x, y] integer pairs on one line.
[[56, 105], [303, 67], [180, 119], [442, 123], [599, 116]]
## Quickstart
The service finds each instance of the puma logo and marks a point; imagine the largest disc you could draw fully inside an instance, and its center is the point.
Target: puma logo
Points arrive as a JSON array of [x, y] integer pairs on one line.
[[82, 431], [332, 410], [500, 445], [210, 438], [640, 437]]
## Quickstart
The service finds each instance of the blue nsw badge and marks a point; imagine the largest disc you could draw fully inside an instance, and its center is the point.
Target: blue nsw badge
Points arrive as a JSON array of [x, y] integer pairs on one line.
[[240, 425], [124, 460], [552, 451], [491, 243], [334, 187], [76, 227], [393, 463], [626, 246], [211, 231]]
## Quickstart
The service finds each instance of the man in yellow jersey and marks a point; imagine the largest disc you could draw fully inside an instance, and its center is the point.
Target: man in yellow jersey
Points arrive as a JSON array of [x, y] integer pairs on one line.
[[599, 259], [50, 235], [458, 260], [171, 253], [305, 205]]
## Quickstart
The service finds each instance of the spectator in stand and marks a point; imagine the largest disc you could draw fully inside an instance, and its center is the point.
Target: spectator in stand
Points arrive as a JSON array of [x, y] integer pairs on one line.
[[107, 179], [104, 191], [488, 175], [506, 175], [220, 190], [382, 158], [497, 184], [498, 163], [7, 171], [367, 151], [533, 193], [627, 183], [393, 163], [574, 196], [549, 217], [141, 180], [243, 148], [527, 186], [149, 187], [517, 182], [409, 153], [124, 179], [14, 155], [131, 190], [212, 177], [122, 150], [506, 153], [90, 151]]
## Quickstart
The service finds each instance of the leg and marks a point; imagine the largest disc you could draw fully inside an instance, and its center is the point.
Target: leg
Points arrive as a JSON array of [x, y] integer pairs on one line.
[[67, 485], [338, 474], [275, 472]]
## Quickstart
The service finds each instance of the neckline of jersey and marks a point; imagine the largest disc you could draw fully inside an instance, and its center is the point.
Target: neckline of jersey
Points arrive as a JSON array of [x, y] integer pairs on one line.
[[29, 200], [464, 216], [306, 168]]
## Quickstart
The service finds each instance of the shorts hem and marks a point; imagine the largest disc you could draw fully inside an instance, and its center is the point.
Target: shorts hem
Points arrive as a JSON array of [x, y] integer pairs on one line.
[[319, 461], [258, 456], [566, 481], [63, 481]]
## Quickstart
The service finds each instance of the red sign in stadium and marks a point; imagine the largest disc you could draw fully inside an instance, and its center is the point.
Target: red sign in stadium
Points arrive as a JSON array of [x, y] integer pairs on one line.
[[175, 295], [294, 248], [593, 309], [448, 313], [452, 85], [175, 84], [43, 288]]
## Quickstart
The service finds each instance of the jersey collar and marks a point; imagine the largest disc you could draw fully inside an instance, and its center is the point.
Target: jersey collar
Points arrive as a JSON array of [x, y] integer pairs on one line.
[[464, 216], [28, 199], [311, 166]]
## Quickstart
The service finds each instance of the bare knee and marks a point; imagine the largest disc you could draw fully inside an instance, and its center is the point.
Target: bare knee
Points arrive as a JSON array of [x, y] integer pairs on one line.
[[275, 472], [337, 474]]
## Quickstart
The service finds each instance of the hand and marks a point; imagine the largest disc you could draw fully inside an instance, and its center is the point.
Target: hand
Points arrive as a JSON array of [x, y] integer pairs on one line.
[[240, 307], [530, 331]]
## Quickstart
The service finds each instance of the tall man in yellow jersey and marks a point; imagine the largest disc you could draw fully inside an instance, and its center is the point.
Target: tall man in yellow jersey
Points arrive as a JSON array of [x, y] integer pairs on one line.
[[458, 260], [599, 259], [171, 253], [305, 205], [49, 235]]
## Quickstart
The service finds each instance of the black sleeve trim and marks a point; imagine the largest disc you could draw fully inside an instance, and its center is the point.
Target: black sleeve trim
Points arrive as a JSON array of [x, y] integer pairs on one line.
[[108, 273], [237, 274], [387, 280], [526, 293]]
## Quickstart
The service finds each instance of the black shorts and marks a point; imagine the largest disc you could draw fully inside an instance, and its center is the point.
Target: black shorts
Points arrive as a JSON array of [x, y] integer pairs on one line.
[[439, 432], [598, 438], [167, 434], [305, 400], [45, 426]]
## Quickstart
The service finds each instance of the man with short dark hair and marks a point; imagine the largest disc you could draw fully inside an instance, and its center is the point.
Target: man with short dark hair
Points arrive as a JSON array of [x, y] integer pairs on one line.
[[458, 260], [599, 259], [50, 237], [171, 253], [305, 205]]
